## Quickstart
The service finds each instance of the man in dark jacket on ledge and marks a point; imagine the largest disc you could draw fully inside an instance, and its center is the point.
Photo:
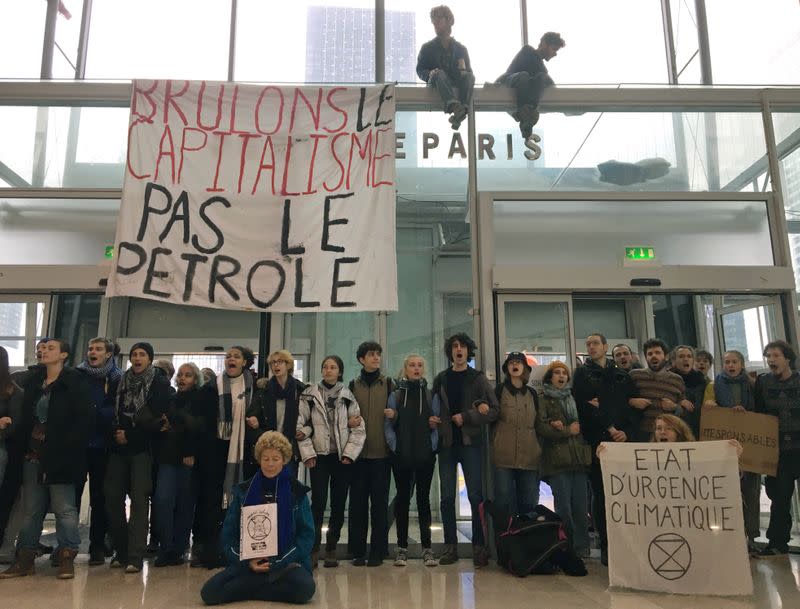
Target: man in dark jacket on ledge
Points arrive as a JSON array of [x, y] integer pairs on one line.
[[443, 63], [468, 404]]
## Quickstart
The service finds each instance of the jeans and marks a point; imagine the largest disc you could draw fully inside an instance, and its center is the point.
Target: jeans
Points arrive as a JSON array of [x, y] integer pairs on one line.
[[571, 500], [470, 459], [38, 498], [780, 489], [174, 506], [453, 91], [369, 504], [129, 475], [238, 583], [9, 491], [96, 461], [516, 490], [405, 479], [528, 89], [329, 471]]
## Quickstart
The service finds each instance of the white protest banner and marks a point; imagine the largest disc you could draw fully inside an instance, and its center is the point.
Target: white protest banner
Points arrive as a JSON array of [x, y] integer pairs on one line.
[[674, 518], [259, 531], [259, 198]]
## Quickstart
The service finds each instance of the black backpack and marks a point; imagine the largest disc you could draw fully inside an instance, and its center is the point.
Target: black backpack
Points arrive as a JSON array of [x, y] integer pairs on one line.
[[531, 543]]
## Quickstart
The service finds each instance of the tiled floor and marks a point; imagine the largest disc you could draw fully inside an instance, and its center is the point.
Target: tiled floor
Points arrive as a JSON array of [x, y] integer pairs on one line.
[[777, 585]]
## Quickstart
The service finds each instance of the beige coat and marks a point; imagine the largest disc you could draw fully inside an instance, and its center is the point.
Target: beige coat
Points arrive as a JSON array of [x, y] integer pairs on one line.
[[514, 441]]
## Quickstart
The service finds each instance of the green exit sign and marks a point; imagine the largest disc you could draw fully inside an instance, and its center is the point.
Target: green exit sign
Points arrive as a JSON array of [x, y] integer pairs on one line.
[[109, 251], [640, 252]]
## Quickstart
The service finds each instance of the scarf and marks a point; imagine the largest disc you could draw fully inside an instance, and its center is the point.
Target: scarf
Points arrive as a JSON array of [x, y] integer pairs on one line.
[[110, 370], [274, 393], [281, 488], [724, 393], [133, 390], [330, 394], [230, 426], [564, 396], [370, 377]]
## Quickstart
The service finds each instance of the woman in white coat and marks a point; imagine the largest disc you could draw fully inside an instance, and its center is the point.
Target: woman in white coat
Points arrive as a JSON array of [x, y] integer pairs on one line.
[[328, 447]]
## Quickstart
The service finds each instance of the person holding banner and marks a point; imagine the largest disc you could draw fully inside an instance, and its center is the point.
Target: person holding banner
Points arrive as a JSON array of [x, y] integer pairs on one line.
[[443, 63], [328, 447], [565, 455], [732, 388], [777, 393], [285, 577]]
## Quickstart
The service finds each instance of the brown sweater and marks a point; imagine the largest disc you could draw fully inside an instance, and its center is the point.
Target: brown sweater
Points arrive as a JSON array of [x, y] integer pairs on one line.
[[656, 386]]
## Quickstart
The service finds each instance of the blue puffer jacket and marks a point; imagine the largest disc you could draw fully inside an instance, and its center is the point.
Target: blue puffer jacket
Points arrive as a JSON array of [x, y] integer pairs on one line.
[[300, 551]]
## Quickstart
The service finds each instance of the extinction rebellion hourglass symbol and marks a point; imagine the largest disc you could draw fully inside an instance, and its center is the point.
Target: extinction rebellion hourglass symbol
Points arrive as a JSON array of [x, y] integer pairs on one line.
[[670, 556]]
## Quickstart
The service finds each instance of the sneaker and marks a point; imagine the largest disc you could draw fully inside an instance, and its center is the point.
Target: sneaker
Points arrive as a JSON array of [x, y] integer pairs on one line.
[[449, 556], [480, 556], [359, 561], [374, 561], [428, 559], [162, 560], [134, 566], [773, 551], [117, 562], [401, 557]]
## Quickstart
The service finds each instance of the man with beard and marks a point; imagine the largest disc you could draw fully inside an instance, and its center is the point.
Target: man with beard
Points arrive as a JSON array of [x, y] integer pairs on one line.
[[777, 393], [602, 391], [657, 389], [694, 381]]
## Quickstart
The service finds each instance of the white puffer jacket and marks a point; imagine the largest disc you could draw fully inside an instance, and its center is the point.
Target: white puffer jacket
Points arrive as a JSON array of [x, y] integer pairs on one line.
[[313, 423]]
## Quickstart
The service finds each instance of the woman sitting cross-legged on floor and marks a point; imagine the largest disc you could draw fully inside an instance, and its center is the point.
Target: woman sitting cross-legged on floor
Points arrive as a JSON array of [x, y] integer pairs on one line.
[[286, 578]]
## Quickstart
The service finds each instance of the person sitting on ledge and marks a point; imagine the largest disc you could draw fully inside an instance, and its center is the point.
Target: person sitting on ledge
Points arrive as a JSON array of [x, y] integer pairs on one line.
[[443, 63]]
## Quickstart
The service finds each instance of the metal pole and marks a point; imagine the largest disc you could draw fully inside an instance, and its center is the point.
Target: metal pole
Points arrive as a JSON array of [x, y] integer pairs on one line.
[[523, 17], [702, 41], [49, 42], [264, 330], [83, 41], [232, 44], [380, 40], [669, 42]]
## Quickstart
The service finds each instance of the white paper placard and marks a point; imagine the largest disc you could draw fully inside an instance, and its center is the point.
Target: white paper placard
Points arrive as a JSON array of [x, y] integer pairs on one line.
[[259, 531]]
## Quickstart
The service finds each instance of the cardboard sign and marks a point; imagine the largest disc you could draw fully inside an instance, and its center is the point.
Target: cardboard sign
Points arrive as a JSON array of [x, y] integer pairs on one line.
[[259, 197], [757, 433], [259, 531], [674, 518]]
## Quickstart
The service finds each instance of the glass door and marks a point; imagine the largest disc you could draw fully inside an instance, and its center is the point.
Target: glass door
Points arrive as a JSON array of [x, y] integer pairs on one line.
[[747, 324]]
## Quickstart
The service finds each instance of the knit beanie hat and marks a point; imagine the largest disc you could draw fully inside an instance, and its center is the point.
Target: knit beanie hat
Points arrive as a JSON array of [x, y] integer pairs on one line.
[[558, 364], [146, 347]]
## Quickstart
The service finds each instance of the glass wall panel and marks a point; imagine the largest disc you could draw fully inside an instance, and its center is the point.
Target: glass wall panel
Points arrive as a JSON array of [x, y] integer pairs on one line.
[[306, 41], [754, 42], [22, 321], [602, 45], [674, 320], [684, 33], [153, 319], [21, 38], [68, 32], [77, 321], [56, 231], [598, 315], [641, 151], [157, 39], [597, 232], [492, 34], [63, 147]]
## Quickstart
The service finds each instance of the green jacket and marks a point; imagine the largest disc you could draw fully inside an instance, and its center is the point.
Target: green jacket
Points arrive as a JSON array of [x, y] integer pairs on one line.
[[561, 452]]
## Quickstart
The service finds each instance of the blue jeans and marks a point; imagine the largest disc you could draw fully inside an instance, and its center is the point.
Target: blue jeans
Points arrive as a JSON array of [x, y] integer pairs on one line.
[[516, 490], [571, 500], [174, 506], [470, 459], [453, 92], [36, 498], [238, 583]]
